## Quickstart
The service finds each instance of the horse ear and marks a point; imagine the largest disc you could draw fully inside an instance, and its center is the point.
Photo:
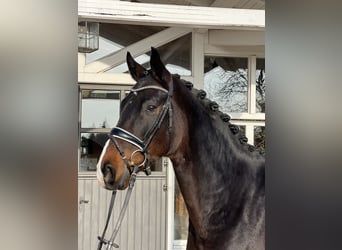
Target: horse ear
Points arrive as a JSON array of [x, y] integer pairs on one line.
[[135, 69], [158, 68]]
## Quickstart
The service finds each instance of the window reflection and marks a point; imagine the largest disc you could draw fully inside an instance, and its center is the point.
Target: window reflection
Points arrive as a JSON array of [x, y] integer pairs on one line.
[[242, 129], [91, 146], [100, 108], [259, 138], [226, 82], [260, 85]]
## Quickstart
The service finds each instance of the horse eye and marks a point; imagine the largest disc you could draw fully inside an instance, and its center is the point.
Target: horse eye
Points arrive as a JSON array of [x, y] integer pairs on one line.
[[151, 107]]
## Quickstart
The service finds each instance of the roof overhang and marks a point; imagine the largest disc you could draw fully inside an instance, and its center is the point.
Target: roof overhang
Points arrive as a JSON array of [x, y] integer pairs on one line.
[[109, 11]]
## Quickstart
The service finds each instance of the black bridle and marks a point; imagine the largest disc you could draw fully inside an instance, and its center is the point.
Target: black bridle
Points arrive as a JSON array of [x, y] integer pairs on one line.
[[142, 147]]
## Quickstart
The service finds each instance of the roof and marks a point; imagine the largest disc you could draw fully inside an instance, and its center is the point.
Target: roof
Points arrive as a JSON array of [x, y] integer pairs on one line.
[[240, 4], [109, 11]]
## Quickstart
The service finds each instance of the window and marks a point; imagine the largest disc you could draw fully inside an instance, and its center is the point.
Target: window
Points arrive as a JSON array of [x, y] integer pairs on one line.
[[91, 147], [260, 85], [238, 85], [100, 108], [226, 82], [99, 112], [259, 137]]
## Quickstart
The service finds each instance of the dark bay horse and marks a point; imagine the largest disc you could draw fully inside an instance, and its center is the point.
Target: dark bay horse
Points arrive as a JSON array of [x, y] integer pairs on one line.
[[220, 176]]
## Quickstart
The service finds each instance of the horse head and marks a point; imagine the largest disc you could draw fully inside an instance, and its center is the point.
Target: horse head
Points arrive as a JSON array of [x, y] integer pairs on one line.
[[145, 129]]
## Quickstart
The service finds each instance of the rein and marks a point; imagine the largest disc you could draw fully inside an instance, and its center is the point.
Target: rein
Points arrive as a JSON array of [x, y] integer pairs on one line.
[[122, 134]]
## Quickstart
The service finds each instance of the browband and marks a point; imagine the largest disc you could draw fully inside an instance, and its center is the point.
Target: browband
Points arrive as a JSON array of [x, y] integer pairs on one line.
[[122, 134], [150, 87]]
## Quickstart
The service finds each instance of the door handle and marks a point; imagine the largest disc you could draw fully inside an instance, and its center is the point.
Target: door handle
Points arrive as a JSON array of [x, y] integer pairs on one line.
[[84, 201]]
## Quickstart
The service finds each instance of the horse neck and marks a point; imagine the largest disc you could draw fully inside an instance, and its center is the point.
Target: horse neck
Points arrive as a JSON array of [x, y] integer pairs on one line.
[[213, 171]]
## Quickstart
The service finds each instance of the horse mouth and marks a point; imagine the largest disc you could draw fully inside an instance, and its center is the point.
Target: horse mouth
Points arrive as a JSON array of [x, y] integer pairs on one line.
[[108, 181], [117, 186]]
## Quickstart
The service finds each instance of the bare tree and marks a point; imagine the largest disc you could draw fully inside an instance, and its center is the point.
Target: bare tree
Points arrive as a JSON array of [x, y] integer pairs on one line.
[[230, 90]]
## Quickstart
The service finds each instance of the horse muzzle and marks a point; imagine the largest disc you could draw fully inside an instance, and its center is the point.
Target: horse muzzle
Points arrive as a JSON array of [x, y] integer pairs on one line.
[[107, 177]]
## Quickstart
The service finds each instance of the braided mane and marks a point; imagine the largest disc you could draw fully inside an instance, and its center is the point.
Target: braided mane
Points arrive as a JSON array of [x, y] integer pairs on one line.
[[213, 108]]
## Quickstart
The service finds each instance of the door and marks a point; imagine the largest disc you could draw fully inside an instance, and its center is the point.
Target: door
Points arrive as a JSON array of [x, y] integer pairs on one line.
[[144, 226]]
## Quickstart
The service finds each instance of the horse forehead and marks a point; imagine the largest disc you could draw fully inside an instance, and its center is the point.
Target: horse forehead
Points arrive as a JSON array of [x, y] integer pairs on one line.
[[136, 98], [148, 80]]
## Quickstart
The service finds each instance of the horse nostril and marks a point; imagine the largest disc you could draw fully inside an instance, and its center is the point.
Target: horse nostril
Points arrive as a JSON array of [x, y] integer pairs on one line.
[[108, 173]]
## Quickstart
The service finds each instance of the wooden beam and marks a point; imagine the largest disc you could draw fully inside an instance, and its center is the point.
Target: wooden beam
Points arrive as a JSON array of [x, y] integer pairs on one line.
[[107, 78], [236, 37], [114, 59], [170, 15], [239, 51]]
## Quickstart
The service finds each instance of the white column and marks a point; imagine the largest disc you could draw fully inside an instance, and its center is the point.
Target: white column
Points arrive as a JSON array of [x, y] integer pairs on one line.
[[170, 203], [198, 57]]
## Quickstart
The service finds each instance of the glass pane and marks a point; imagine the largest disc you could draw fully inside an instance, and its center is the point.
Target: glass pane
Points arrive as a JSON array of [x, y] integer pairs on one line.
[[100, 108], [242, 129], [226, 82], [259, 138], [91, 145], [260, 85], [181, 217]]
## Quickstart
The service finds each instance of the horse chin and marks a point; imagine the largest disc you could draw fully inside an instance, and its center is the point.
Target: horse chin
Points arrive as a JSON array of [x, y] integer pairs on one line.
[[121, 184], [124, 181]]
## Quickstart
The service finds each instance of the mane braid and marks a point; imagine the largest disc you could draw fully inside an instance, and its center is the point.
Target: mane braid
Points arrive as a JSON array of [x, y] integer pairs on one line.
[[213, 108]]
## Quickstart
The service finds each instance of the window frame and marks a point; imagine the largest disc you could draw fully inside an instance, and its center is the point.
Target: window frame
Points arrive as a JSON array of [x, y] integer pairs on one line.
[[93, 86], [251, 118]]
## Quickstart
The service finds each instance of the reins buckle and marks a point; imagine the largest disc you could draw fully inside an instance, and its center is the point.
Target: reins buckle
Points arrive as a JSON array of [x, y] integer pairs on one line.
[[147, 170], [106, 242]]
